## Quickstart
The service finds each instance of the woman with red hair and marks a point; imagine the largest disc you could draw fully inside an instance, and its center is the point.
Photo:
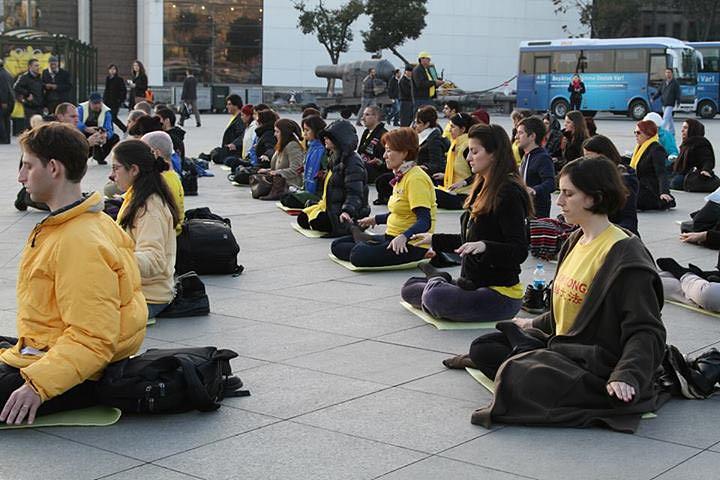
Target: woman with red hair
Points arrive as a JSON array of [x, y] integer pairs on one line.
[[649, 160]]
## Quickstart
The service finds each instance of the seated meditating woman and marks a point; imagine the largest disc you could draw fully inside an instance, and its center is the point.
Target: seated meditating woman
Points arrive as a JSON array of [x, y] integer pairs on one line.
[[592, 359], [286, 164], [457, 177], [492, 242], [411, 205], [696, 156], [648, 160], [314, 165], [149, 215], [345, 190]]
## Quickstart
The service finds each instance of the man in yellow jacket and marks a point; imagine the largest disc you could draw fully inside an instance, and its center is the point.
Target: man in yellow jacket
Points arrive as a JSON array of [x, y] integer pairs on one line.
[[79, 302]]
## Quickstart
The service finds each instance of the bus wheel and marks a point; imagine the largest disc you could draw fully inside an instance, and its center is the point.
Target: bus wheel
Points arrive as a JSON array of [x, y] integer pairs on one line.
[[638, 110], [559, 108], [706, 109]]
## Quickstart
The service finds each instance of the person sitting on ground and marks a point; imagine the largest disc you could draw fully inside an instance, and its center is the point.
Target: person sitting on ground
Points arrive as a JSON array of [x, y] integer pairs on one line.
[[450, 109], [552, 141], [95, 117], [666, 139], [691, 285], [264, 148], [80, 306], [248, 119], [481, 116], [370, 148], [412, 210], [574, 134], [144, 106], [144, 124], [149, 215], [345, 189], [697, 156], [177, 134], [132, 117], [492, 242], [591, 127], [625, 217], [287, 160], [458, 176], [598, 347], [161, 146], [314, 166], [536, 169], [430, 156], [649, 160], [232, 139], [516, 116]]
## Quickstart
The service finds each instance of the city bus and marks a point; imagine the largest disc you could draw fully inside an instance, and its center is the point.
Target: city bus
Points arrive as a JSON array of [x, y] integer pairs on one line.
[[620, 75], [708, 83]]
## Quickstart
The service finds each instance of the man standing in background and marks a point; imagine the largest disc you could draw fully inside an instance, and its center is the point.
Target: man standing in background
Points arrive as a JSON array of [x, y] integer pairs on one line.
[[56, 84], [7, 103], [189, 98]]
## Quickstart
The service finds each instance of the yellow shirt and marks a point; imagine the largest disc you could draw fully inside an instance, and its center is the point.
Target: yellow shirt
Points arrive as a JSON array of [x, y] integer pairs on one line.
[[516, 153], [314, 210], [446, 131], [576, 274], [456, 167], [414, 190], [172, 179], [516, 291]]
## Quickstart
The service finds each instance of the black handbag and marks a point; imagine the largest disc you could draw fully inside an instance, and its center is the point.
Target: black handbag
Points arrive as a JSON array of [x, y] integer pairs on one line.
[[190, 298], [697, 182], [260, 185]]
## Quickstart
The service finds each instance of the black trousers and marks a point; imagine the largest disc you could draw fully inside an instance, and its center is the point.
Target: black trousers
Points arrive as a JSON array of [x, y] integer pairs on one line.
[[383, 187], [5, 126], [321, 223], [448, 201], [374, 253], [116, 121], [407, 111], [80, 396], [100, 152]]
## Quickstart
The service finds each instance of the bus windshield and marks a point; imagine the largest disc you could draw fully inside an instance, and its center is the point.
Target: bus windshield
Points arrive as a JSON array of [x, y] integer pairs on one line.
[[685, 63]]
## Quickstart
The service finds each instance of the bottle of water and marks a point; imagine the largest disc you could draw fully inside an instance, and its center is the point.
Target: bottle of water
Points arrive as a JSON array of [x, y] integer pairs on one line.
[[538, 280]]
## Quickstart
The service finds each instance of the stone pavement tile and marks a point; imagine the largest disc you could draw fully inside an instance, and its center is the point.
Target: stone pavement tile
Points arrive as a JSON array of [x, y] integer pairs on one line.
[[288, 451], [405, 418], [702, 467], [261, 306], [284, 391], [8, 297], [8, 323], [272, 342], [454, 384], [452, 342], [375, 362], [689, 330], [434, 468], [340, 292], [354, 321], [33, 455], [566, 453], [149, 472], [688, 422], [281, 278], [179, 329], [151, 437]]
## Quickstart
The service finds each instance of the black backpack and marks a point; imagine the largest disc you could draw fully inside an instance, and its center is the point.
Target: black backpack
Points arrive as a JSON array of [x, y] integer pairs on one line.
[[206, 245], [170, 381], [189, 178]]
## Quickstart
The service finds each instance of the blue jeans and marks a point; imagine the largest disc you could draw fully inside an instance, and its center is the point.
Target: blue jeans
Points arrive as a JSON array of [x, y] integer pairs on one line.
[[155, 308], [667, 122], [374, 253], [445, 300]]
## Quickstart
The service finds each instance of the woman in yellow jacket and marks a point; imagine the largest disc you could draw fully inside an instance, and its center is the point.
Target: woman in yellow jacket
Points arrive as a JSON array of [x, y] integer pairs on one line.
[[458, 177], [149, 216]]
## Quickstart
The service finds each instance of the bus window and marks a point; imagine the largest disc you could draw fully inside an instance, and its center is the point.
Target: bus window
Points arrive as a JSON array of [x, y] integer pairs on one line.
[[598, 61], [631, 61], [542, 65], [711, 60], [658, 64], [526, 63], [564, 61]]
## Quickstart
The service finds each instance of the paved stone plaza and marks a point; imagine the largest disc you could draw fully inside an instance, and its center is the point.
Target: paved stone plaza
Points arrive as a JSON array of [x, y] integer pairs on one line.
[[345, 383]]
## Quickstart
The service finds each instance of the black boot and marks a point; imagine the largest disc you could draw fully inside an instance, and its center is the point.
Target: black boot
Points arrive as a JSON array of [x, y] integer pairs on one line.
[[671, 266], [708, 364], [431, 272]]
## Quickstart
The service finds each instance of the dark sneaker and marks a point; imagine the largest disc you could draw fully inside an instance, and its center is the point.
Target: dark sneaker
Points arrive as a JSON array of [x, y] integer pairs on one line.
[[708, 365], [534, 300], [380, 201]]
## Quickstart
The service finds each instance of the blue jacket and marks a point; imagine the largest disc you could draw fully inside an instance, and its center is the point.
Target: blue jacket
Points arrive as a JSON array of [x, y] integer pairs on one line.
[[539, 174], [313, 163], [667, 140], [104, 118]]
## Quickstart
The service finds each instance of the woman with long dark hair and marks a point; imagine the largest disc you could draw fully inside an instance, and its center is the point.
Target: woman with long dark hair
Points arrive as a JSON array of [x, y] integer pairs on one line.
[[287, 161], [574, 134], [138, 84], [149, 215], [114, 94], [456, 180], [492, 241], [314, 166], [697, 157]]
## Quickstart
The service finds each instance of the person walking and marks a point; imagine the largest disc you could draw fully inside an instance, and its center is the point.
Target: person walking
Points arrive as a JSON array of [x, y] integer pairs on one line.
[[405, 97], [7, 103], [189, 98], [139, 83], [29, 91], [669, 92], [57, 85], [577, 90], [368, 94], [393, 93], [114, 94]]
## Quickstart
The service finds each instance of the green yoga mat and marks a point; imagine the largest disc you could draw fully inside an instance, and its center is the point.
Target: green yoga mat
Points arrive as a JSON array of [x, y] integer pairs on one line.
[[97, 416], [402, 266], [490, 386], [289, 211], [307, 233], [694, 308], [445, 324], [151, 321]]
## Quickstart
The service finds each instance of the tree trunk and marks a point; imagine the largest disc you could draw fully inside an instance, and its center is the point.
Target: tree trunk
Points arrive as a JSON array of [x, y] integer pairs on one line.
[[397, 54]]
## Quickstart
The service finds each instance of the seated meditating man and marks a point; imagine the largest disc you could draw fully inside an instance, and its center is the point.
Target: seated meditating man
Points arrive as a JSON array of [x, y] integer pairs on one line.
[[80, 304]]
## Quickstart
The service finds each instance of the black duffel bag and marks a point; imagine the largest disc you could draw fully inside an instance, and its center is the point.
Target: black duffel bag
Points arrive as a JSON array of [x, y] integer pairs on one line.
[[170, 381], [207, 246]]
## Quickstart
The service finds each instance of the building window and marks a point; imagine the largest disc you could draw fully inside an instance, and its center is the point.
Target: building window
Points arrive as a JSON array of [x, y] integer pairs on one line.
[[661, 30], [677, 30], [18, 14], [220, 41]]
